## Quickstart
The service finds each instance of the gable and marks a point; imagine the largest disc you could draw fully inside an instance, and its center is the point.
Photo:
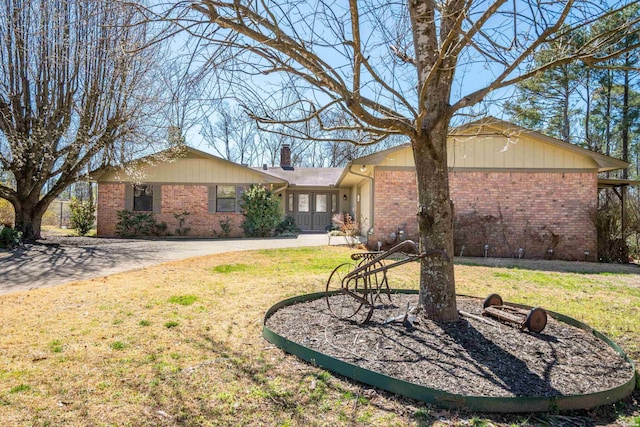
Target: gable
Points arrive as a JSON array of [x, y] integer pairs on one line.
[[193, 168], [492, 144], [497, 151]]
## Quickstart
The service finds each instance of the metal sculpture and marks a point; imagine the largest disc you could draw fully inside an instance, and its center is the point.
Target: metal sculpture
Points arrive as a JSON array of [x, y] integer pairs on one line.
[[353, 287]]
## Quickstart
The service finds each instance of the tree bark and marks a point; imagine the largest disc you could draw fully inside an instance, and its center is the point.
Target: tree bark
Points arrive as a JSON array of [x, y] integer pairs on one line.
[[29, 219], [435, 211], [435, 222]]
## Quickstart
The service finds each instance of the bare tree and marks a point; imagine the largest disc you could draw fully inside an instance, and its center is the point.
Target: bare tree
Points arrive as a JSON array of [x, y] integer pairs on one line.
[[70, 75], [232, 134], [392, 67]]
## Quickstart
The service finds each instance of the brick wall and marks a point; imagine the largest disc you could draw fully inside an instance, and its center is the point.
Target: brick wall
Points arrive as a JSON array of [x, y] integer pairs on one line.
[[110, 201], [506, 210], [175, 200], [395, 204]]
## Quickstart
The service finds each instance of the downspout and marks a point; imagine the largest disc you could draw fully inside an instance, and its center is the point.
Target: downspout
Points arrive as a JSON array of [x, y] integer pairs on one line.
[[371, 197]]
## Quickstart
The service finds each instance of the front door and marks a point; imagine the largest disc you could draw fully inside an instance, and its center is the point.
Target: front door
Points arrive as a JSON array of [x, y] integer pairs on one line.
[[312, 210]]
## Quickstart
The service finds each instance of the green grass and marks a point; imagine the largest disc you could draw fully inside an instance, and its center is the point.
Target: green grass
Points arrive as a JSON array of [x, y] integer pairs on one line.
[[171, 324], [20, 388], [184, 339], [231, 268], [55, 346], [183, 299], [118, 345]]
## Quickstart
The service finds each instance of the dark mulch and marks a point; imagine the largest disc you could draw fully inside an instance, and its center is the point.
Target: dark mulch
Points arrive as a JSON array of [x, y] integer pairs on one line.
[[469, 357]]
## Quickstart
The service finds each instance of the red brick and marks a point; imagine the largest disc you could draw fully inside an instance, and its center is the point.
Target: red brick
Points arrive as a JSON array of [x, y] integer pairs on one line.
[[175, 200], [510, 210]]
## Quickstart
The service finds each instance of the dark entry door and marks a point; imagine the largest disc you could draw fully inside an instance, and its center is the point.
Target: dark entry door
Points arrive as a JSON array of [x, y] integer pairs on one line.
[[312, 210], [302, 210], [321, 211]]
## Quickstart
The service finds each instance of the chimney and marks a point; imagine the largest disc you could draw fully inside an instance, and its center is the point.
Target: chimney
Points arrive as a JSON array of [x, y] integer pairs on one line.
[[285, 156], [264, 167]]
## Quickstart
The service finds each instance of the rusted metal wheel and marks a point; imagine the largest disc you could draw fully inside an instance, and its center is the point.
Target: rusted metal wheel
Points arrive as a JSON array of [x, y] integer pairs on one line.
[[377, 283], [493, 299], [345, 296], [536, 320]]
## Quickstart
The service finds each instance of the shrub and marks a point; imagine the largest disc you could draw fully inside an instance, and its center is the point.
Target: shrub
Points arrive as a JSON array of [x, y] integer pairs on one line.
[[9, 237], [346, 224], [225, 227], [6, 212], [612, 247], [138, 224], [288, 227], [261, 211], [182, 218], [83, 215]]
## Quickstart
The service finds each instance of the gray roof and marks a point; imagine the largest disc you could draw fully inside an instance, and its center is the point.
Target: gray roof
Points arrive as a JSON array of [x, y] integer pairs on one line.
[[305, 177]]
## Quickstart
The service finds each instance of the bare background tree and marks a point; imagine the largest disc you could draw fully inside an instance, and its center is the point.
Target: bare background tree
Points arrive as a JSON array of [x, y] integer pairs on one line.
[[74, 94], [391, 68]]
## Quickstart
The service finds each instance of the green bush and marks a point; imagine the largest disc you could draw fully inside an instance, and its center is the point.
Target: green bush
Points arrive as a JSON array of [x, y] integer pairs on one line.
[[226, 225], [6, 212], [288, 227], [261, 212], [182, 218], [9, 238], [138, 224], [82, 217]]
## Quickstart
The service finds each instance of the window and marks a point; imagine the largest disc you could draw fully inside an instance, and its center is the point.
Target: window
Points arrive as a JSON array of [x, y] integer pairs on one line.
[[225, 198], [321, 202], [303, 203], [143, 198], [290, 208]]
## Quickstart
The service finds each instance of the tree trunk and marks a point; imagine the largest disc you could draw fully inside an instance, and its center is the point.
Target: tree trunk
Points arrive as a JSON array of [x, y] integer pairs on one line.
[[29, 219], [435, 221], [435, 211], [625, 117]]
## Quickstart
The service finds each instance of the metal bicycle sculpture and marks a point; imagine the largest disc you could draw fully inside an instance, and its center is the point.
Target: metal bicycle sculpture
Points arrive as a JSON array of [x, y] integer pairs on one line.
[[354, 287]]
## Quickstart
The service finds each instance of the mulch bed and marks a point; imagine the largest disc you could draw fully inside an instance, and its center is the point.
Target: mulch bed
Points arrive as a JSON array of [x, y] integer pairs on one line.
[[469, 357]]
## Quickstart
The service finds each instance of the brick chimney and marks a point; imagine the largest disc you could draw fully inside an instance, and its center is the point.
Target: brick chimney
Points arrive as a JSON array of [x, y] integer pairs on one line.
[[285, 156]]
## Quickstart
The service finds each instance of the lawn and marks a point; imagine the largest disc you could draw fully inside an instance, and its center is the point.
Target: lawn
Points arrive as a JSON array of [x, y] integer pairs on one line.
[[180, 344]]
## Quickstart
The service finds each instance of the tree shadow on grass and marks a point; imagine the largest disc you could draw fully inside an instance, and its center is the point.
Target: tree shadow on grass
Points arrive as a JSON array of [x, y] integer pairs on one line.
[[280, 391], [255, 389]]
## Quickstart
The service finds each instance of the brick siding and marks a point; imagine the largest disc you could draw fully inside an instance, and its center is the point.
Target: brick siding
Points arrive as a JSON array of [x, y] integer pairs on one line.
[[110, 201], [395, 204], [175, 200], [534, 211]]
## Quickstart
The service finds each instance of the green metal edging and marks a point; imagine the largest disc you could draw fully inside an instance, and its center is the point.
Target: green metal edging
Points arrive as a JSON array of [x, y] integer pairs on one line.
[[446, 399]]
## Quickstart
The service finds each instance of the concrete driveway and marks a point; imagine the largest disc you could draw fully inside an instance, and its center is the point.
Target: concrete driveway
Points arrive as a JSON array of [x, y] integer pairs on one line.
[[70, 259]]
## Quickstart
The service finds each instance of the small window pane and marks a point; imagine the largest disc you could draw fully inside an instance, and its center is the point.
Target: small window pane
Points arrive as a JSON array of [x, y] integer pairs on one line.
[[303, 203], [143, 198], [226, 205], [226, 191], [334, 203], [290, 202], [321, 202]]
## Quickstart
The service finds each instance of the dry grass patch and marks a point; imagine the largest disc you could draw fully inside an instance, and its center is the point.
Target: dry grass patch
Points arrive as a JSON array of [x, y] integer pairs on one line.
[[180, 344]]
